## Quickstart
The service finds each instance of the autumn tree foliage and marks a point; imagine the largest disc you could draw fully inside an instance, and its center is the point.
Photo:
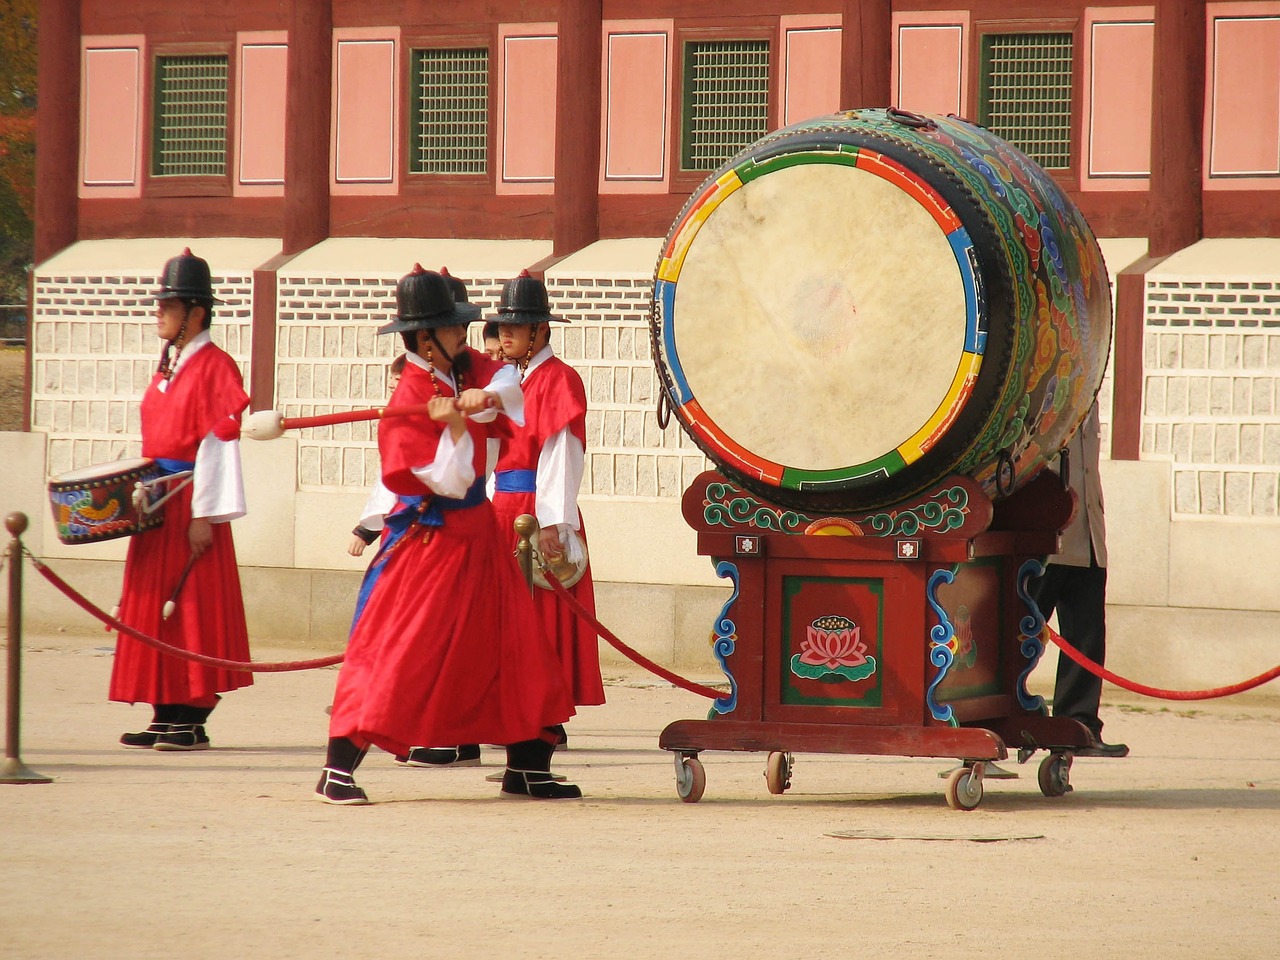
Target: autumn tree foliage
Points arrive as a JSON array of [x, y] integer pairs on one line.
[[17, 144]]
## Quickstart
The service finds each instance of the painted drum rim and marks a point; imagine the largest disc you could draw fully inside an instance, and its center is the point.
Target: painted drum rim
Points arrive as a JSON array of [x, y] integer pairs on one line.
[[909, 450]]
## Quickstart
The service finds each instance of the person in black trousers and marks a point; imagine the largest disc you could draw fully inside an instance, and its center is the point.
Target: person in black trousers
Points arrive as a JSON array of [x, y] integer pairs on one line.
[[1075, 585]]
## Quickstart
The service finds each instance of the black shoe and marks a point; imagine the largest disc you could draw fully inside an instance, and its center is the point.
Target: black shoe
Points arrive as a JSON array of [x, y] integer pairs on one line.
[[146, 738], [537, 786], [183, 736], [465, 755], [1100, 749], [338, 787]]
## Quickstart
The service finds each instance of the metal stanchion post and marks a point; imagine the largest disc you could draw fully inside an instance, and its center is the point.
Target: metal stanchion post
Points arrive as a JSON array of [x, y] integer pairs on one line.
[[526, 529], [13, 770]]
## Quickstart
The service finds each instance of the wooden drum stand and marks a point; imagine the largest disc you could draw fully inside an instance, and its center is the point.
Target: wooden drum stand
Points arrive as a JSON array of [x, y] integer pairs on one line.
[[905, 631]]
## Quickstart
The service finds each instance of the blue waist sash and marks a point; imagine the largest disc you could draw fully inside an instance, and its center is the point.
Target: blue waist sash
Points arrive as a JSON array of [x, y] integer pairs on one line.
[[174, 466], [425, 511], [516, 481], [430, 511]]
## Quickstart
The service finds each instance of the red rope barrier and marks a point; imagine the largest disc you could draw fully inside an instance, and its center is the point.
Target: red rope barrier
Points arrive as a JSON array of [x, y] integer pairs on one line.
[[1100, 671], [639, 658], [244, 667]]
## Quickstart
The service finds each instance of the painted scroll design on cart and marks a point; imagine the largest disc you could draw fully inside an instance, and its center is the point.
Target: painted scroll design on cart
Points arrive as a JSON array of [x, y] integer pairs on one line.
[[941, 637], [1030, 628], [724, 640]]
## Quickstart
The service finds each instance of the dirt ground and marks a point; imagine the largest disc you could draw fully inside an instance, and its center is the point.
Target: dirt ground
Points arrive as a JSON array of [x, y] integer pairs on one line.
[[11, 393], [1172, 853]]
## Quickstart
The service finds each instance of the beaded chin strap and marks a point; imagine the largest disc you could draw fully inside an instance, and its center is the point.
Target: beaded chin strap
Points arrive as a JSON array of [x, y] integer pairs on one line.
[[169, 355], [425, 344]]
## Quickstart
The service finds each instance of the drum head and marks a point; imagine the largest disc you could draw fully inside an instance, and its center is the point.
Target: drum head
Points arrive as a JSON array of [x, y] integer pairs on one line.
[[97, 471], [819, 317]]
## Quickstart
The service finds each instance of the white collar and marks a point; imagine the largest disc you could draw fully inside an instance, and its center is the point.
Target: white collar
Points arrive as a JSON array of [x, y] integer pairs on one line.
[[539, 358], [417, 361]]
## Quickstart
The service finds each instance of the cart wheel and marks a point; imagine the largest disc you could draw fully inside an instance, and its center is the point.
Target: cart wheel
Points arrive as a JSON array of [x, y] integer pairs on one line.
[[777, 772], [1055, 775], [691, 779], [964, 791]]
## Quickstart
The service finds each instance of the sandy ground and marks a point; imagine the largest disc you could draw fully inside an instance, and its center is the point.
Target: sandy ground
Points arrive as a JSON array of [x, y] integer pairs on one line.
[[1172, 853]]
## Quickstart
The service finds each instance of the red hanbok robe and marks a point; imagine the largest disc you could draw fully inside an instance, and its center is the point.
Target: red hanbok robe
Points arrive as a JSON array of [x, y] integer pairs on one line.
[[205, 396], [554, 398], [447, 648]]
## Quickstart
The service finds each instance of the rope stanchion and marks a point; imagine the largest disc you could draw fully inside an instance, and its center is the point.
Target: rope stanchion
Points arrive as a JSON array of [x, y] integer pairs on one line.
[[250, 666], [701, 690], [1212, 693], [13, 770]]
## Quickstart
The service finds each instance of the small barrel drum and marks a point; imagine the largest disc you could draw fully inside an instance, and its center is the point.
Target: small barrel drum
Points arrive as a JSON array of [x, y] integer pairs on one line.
[[860, 305], [98, 502]]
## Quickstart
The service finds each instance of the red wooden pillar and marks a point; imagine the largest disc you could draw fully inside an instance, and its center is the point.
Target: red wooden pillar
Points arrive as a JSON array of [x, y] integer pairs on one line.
[[57, 128], [306, 142], [1177, 126], [866, 53], [1176, 199], [576, 221]]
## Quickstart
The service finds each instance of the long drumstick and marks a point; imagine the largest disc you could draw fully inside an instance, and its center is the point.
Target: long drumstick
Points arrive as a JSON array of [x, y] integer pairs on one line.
[[172, 603], [269, 424]]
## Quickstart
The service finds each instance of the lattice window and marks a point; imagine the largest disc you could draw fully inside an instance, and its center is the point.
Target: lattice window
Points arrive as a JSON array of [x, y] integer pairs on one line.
[[726, 100], [190, 117], [1026, 94], [451, 111]]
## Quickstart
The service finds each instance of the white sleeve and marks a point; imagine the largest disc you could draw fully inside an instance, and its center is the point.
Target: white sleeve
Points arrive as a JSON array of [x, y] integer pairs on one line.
[[453, 471], [381, 502], [506, 384], [217, 483], [560, 467]]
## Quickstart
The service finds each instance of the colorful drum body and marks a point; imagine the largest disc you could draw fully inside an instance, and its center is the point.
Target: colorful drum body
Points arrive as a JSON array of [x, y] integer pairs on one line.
[[98, 503], [860, 305]]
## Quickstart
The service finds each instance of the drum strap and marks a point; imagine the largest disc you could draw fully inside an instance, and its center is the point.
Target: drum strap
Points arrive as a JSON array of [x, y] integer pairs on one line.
[[516, 481]]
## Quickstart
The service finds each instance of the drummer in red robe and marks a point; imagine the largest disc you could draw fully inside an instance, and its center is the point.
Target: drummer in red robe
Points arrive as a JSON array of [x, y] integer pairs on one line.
[[446, 647], [190, 422], [540, 470]]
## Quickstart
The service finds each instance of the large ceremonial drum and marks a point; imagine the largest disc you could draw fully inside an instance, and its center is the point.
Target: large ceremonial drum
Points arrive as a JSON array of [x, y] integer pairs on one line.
[[860, 305]]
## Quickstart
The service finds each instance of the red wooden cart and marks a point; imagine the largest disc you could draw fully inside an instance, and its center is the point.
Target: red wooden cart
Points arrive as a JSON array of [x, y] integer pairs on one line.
[[903, 632]]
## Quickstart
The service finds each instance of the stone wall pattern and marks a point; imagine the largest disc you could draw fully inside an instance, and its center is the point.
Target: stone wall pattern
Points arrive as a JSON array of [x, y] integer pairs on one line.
[[1211, 393]]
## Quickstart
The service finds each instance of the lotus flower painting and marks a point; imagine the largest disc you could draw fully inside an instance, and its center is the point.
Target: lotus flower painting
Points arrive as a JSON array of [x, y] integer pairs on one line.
[[832, 650]]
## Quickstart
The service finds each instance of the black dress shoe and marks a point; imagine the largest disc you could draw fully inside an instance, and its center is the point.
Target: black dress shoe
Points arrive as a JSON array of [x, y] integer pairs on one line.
[[1100, 749], [537, 785], [465, 755], [183, 736], [146, 738], [338, 786]]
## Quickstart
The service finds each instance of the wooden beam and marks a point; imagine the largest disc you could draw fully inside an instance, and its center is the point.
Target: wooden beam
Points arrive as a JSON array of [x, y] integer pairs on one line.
[[866, 53], [1128, 373], [578, 81], [57, 128], [1177, 126], [306, 142]]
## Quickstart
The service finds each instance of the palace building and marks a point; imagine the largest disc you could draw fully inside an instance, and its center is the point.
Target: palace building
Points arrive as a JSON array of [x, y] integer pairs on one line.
[[313, 150]]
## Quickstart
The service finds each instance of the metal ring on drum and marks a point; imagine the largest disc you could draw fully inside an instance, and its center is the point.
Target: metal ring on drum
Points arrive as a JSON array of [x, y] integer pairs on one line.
[[856, 307]]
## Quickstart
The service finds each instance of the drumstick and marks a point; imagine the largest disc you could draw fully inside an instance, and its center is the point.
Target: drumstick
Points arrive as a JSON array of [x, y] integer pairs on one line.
[[269, 424], [172, 603]]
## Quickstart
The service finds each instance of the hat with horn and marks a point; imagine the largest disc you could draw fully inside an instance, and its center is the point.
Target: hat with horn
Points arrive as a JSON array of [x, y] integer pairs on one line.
[[524, 300], [425, 300], [186, 277]]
